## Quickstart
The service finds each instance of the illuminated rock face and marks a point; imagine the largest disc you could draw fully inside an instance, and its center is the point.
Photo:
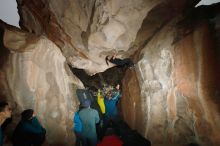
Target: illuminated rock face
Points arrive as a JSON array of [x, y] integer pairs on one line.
[[37, 78], [88, 30], [178, 88]]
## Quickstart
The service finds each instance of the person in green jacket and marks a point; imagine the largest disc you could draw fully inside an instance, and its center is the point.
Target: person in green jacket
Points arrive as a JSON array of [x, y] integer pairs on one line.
[[89, 118]]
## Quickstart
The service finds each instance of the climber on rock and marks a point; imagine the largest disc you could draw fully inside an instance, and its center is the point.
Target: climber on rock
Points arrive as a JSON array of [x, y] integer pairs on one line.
[[118, 61]]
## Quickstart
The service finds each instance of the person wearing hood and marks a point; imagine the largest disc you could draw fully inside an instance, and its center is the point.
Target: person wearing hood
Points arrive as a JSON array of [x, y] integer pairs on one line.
[[89, 118]]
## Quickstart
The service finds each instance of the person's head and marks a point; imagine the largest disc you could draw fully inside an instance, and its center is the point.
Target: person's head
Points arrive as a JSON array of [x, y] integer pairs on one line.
[[86, 103], [117, 86], [27, 114], [5, 110]]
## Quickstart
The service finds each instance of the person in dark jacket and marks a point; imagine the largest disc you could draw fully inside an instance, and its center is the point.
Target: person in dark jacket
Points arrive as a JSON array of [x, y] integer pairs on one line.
[[5, 113], [118, 61], [29, 131]]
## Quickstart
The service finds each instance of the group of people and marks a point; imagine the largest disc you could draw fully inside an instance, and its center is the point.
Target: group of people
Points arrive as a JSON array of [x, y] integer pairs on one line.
[[28, 131], [86, 119], [107, 100]]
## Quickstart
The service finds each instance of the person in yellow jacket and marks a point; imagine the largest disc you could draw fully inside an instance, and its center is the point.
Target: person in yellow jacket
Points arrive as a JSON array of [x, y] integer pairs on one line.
[[100, 101]]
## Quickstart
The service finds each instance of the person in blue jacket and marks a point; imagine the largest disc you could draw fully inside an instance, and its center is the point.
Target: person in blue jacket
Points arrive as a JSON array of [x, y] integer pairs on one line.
[[5, 113], [29, 131], [80, 139], [111, 100]]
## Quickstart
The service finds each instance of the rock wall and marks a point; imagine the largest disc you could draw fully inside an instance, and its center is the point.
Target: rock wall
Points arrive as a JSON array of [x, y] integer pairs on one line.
[[3, 59], [37, 77], [88, 30], [173, 95]]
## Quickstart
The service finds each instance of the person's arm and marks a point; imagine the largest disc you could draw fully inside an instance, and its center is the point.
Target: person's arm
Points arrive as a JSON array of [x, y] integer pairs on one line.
[[107, 60], [114, 56]]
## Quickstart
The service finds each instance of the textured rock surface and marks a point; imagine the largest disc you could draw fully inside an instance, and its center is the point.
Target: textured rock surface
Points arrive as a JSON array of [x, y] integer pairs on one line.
[[172, 96], [37, 78], [87, 30], [3, 59], [178, 96]]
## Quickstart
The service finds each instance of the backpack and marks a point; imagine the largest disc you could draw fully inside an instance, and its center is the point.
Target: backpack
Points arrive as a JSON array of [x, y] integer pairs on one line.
[[83, 94], [77, 123]]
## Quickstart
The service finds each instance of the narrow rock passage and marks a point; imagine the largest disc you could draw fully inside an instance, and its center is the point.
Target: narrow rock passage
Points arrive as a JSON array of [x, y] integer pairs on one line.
[[130, 137], [99, 81]]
